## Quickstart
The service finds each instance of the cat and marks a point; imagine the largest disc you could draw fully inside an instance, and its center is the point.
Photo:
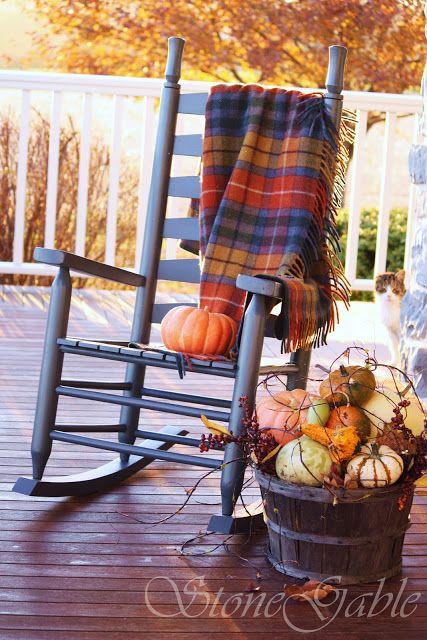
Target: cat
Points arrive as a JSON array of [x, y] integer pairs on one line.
[[389, 291]]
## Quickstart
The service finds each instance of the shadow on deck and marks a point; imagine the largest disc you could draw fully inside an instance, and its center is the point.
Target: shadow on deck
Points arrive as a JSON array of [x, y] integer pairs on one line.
[[102, 568]]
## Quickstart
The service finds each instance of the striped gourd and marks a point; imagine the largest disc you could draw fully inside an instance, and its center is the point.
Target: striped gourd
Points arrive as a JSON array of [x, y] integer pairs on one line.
[[375, 466]]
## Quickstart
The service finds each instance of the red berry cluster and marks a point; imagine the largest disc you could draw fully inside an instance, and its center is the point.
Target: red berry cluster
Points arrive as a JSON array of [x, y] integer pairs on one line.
[[214, 441], [417, 463], [419, 460], [406, 491], [254, 442], [419, 468]]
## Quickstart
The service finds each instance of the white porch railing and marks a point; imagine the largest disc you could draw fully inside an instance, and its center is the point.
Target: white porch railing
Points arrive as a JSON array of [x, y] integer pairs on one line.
[[121, 88]]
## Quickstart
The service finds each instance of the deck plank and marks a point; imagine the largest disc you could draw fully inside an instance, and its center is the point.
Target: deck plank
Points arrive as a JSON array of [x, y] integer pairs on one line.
[[81, 568]]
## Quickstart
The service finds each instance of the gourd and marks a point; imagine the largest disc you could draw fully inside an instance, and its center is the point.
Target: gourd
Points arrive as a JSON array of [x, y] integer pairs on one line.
[[303, 461], [283, 413], [350, 417], [344, 443], [348, 385], [319, 412], [375, 466], [198, 331], [379, 409], [341, 442]]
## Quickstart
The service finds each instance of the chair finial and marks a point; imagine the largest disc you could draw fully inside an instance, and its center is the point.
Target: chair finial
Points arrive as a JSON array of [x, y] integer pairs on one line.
[[335, 78], [173, 65]]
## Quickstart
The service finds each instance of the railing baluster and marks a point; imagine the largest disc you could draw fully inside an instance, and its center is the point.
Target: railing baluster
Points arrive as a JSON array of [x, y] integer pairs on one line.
[[176, 170], [416, 136], [84, 165], [114, 175], [146, 162], [355, 197], [385, 196], [21, 180], [52, 172]]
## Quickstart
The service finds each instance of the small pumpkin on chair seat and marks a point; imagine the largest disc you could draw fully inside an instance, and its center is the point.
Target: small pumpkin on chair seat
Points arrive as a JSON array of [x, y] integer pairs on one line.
[[198, 331]]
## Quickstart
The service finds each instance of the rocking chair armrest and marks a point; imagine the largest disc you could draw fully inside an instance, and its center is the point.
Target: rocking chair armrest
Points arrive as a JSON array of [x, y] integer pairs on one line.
[[90, 267], [261, 286]]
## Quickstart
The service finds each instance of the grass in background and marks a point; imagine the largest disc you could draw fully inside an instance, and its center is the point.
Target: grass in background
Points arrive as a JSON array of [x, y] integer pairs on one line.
[[367, 243]]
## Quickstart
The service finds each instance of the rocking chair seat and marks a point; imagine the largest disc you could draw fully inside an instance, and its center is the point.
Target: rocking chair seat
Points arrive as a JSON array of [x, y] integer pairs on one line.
[[158, 356]]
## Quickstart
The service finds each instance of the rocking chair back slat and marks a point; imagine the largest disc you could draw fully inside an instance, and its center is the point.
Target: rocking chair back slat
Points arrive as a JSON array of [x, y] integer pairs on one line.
[[179, 271], [184, 187], [188, 145], [181, 228], [161, 309], [193, 103]]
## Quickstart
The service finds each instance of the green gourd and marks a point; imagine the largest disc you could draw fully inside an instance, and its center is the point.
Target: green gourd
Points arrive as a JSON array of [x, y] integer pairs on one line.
[[303, 461]]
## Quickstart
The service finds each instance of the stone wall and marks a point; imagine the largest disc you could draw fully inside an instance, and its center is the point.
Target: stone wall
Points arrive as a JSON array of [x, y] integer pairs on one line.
[[414, 305], [413, 317]]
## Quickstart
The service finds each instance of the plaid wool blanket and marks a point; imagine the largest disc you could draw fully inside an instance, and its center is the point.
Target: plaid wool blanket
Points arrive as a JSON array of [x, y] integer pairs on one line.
[[270, 160]]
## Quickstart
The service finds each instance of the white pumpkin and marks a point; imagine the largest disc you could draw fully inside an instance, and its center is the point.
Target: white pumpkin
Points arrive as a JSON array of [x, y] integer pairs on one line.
[[375, 466], [303, 461], [379, 409]]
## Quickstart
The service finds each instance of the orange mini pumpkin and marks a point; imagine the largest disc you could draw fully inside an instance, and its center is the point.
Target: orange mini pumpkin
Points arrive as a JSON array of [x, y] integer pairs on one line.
[[350, 417], [283, 413], [198, 331]]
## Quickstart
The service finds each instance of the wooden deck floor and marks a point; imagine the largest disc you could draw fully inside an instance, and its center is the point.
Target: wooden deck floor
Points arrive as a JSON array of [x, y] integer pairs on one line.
[[102, 568]]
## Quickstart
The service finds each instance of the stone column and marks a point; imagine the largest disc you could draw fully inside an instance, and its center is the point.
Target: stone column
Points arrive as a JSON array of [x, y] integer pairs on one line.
[[414, 306]]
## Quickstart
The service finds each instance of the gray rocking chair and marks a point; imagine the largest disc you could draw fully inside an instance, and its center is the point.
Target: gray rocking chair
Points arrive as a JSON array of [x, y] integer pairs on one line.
[[135, 394]]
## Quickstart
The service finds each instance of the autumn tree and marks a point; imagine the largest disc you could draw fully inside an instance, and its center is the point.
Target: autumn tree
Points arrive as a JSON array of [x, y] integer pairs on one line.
[[268, 41]]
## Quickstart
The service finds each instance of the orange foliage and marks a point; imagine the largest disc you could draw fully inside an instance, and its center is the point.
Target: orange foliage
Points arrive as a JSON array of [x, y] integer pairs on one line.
[[269, 41]]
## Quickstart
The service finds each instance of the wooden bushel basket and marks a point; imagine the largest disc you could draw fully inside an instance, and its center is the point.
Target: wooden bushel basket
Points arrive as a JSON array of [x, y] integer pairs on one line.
[[358, 539]]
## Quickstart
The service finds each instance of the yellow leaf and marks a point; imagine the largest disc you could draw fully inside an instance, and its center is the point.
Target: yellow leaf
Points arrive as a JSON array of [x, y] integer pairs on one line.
[[421, 482], [271, 454], [215, 427]]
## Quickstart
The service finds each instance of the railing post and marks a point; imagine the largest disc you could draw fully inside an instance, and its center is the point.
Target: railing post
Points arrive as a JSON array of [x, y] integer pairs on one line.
[[21, 179], [84, 164], [146, 162], [113, 181], [356, 197], [385, 197], [52, 172]]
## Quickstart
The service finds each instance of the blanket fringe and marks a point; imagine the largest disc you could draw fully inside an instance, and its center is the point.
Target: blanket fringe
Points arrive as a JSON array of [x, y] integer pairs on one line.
[[304, 332]]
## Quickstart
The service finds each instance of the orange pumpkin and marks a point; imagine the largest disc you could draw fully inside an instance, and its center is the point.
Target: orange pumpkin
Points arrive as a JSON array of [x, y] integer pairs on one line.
[[350, 417], [283, 413], [198, 331]]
